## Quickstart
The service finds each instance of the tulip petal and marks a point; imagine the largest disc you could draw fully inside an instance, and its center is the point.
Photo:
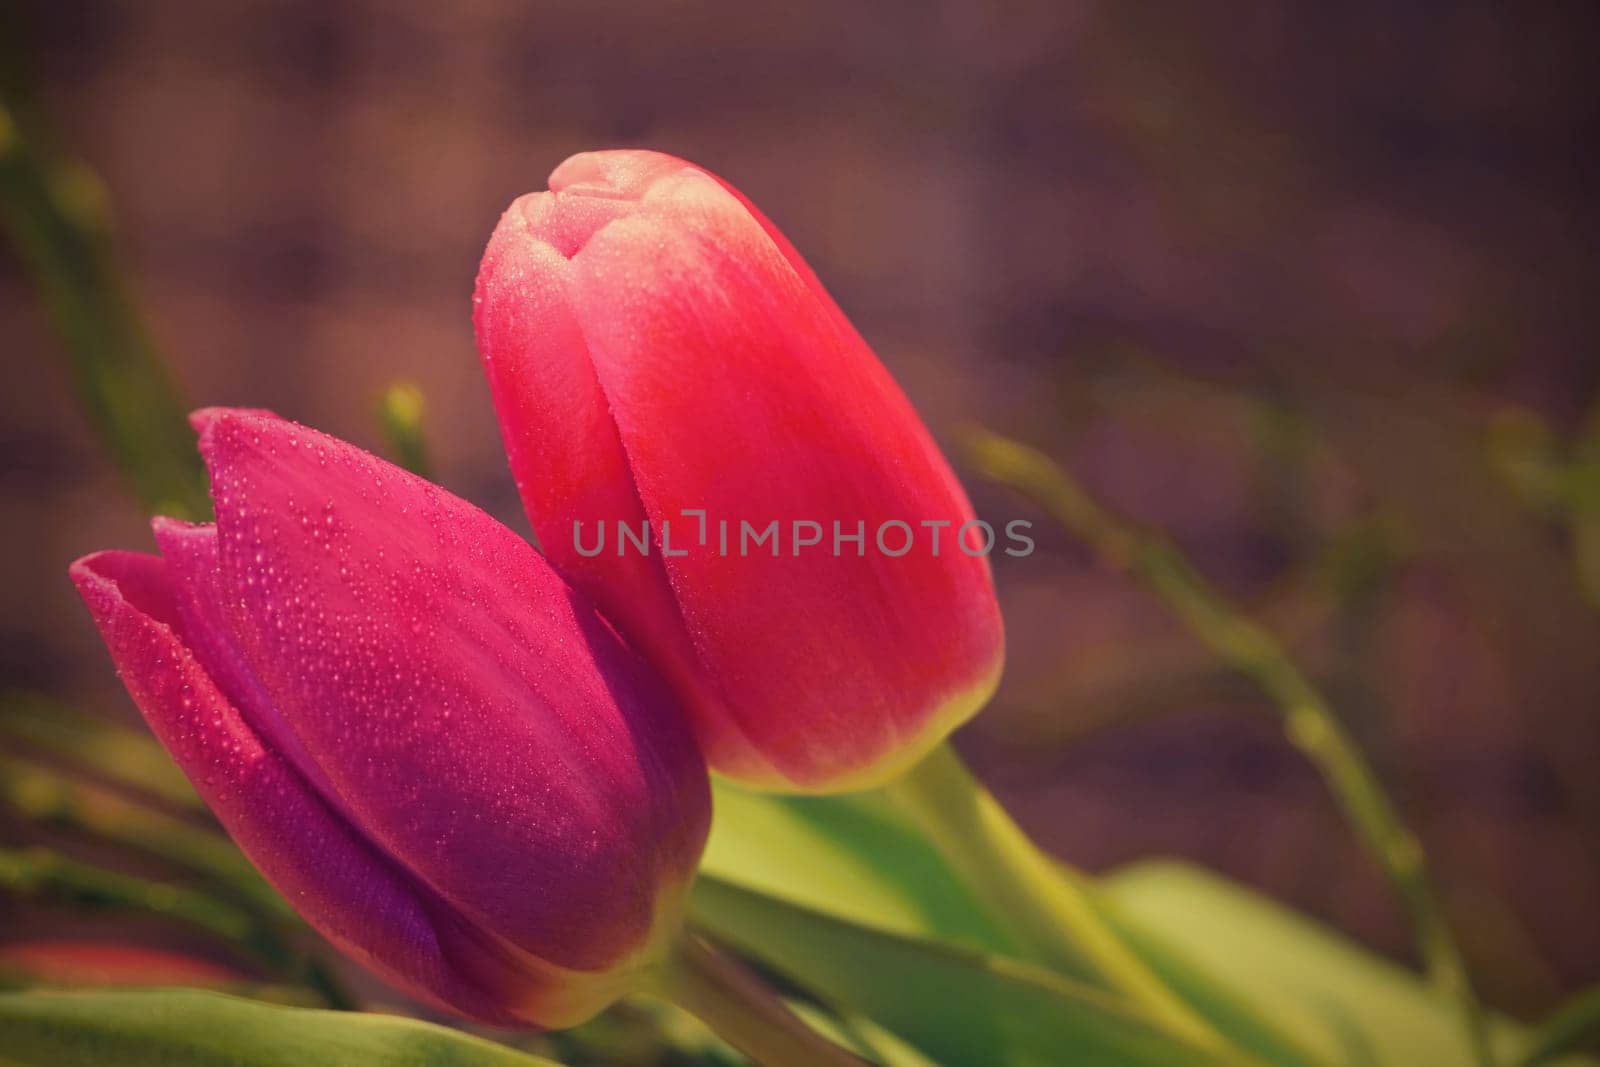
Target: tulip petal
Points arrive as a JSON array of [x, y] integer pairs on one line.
[[334, 878], [479, 721], [193, 562], [559, 433], [736, 386]]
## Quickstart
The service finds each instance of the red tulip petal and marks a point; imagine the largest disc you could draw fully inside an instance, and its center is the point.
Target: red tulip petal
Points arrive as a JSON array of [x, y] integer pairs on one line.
[[735, 385], [559, 434], [79, 963]]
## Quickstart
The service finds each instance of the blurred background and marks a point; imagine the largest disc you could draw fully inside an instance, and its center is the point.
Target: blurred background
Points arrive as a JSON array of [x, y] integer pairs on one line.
[[1310, 288]]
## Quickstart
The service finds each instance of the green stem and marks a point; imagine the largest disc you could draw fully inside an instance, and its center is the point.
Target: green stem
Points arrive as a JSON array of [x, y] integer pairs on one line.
[[1574, 1027], [724, 995], [1309, 721], [58, 219], [1046, 907], [40, 873], [400, 412]]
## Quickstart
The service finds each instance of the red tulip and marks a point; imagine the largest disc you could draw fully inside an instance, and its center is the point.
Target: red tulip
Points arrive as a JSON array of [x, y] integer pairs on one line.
[[443, 758], [657, 350], [79, 963]]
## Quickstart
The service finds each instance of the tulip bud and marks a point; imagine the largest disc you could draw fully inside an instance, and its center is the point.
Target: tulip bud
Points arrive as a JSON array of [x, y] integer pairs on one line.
[[663, 363], [436, 750]]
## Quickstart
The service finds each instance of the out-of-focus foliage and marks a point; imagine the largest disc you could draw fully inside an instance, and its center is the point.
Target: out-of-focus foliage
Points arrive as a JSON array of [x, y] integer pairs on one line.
[[1315, 381], [58, 218], [1309, 723], [1559, 478], [957, 1005], [400, 410], [185, 1028]]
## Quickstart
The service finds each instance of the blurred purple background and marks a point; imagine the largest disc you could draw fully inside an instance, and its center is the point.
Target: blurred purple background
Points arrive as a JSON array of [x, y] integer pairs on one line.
[[1266, 276]]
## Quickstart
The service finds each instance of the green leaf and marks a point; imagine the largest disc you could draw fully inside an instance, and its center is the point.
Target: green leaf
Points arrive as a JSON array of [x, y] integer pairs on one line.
[[56, 216], [855, 858], [1346, 1003], [956, 1005], [41, 873], [1254, 1026], [1573, 1026], [860, 1035], [50, 798], [850, 857], [187, 1028], [400, 410], [130, 760]]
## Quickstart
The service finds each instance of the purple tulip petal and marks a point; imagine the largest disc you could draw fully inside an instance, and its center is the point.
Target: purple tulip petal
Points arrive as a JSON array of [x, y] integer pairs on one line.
[[481, 724], [355, 896]]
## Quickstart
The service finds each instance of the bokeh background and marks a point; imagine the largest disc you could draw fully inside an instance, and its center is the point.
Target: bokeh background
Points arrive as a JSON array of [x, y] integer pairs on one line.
[[1309, 287]]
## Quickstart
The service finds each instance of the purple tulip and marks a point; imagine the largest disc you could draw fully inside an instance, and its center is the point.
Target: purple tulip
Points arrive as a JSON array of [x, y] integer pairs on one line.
[[437, 751]]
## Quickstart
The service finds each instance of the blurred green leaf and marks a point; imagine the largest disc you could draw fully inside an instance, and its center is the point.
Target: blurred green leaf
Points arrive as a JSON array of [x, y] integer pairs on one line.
[[854, 858], [1252, 1022], [58, 219], [186, 1028], [638, 1031], [265, 938], [41, 873], [55, 800], [130, 760], [119, 786], [1309, 721], [1351, 1005], [1584, 491], [1575, 1026], [400, 411], [954, 1004], [848, 856], [1527, 454], [861, 1035]]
